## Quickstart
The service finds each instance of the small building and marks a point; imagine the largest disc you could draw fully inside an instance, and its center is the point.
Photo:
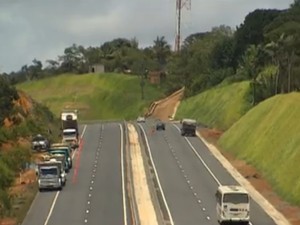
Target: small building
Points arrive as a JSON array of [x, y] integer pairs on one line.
[[156, 77], [96, 68]]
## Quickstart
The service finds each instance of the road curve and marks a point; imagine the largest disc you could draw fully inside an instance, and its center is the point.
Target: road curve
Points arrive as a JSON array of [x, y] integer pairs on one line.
[[190, 175], [94, 193]]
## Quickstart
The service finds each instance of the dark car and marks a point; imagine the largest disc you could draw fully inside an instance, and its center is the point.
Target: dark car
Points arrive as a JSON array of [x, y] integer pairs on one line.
[[40, 143], [160, 125]]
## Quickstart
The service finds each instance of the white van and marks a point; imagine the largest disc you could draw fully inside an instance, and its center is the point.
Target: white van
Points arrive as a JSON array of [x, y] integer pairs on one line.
[[233, 204]]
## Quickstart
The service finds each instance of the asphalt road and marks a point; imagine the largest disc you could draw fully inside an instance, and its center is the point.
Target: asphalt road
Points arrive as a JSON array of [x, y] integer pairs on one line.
[[94, 193], [189, 176]]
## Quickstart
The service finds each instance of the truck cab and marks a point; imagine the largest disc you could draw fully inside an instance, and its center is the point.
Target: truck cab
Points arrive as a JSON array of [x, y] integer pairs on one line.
[[50, 175], [188, 127], [70, 136]]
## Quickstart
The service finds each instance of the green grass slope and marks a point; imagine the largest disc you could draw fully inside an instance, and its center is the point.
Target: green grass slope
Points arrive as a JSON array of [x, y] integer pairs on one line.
[[268, 137], [97, 96], [219, 107]]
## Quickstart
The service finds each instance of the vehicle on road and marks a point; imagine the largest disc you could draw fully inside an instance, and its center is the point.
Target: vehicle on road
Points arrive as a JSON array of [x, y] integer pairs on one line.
[[39, 143], [188, 127], [160, 125], [65, 151], [69, 127], [50, 175], [233, 205], [70, 136]]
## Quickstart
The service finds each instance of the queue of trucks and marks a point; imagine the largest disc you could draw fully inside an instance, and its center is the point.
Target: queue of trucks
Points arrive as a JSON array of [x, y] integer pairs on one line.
[[57, 161]]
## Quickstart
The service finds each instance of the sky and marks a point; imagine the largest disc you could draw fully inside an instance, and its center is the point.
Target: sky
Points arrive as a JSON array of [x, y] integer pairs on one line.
[[42, 29]]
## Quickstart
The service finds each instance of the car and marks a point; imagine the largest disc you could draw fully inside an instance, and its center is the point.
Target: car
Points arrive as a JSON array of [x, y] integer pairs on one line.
[[141, 119], [40, 143], [160, 125]]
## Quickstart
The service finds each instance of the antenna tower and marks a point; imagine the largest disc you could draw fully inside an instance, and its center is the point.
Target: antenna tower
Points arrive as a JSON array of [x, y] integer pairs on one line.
[[180, 4]]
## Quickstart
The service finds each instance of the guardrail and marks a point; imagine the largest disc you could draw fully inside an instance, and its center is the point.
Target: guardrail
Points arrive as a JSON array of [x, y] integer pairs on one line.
[[153, 105]]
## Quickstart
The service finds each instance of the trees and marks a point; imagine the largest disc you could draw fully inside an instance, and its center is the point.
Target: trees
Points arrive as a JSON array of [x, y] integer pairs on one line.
[[161, 50], [7, 95], [251, 31]]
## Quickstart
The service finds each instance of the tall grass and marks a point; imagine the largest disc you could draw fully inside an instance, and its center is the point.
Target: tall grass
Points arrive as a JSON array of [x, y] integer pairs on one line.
[[268, 137], [97, 96], [219, 107]]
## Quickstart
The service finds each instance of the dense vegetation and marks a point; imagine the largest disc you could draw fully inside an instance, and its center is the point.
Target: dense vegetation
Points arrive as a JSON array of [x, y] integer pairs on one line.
[[270, 132], [21, 123]]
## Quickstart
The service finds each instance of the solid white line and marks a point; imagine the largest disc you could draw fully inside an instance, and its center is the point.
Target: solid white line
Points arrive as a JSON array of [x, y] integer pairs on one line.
[[31, 206], [52, 207], [122, 174], [58, 192], [200, 158], [157, 178]]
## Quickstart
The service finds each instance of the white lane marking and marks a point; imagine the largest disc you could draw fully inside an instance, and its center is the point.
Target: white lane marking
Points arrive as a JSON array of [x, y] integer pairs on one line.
[[205, 165], [58, 192], [52, 207], [32, 204], [157, 178], [200, 158], [122, 173]]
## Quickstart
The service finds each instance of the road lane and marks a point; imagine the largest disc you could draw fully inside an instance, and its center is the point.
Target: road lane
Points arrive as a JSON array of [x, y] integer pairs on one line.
[[95, 189], [107, 201], [257, 214], [70, 205], [42, 203], [39, 209], [184, 208], [168, 147]]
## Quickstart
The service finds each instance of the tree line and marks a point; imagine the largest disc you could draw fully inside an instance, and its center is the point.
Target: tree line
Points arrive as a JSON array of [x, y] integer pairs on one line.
[[264, 49]]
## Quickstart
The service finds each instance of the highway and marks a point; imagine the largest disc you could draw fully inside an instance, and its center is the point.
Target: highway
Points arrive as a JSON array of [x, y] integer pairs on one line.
[[189, 176], [95, 190]]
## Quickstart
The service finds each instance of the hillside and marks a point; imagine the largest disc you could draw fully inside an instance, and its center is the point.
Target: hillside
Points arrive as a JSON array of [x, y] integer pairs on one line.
[[270, 132], [97, 96], [219, 107], [24, 119]]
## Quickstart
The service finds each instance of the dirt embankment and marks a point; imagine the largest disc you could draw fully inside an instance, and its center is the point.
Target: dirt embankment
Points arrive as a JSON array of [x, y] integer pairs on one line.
[[22, 189], [166, 107]]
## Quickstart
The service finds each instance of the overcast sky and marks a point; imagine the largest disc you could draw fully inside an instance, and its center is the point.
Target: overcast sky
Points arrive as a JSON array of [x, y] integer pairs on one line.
[[42, 29]]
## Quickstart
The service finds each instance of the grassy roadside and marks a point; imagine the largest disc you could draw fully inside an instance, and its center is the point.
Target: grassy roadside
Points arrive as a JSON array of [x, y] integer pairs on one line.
[[97, 96], [268, 138], [219, 107]]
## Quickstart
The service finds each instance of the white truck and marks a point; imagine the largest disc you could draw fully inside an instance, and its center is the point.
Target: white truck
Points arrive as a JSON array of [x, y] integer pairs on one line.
[[51, 175], [69, 127]]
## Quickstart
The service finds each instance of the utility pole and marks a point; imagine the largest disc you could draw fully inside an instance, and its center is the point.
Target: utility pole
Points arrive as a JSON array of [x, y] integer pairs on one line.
[[180, 4]]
